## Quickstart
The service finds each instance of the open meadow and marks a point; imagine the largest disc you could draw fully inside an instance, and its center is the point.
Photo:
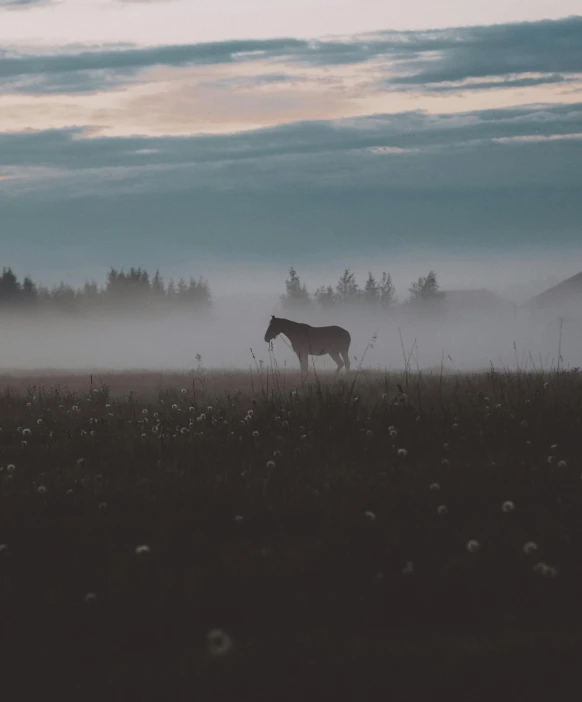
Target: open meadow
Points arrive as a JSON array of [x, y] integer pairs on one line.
[[242, 535]]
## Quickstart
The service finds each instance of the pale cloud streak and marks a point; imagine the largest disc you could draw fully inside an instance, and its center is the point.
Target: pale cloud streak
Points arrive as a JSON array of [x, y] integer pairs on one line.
[[229, 86]]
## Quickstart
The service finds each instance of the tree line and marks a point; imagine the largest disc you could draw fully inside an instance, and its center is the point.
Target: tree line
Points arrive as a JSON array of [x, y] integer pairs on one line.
[[377, 294], [133, 288]]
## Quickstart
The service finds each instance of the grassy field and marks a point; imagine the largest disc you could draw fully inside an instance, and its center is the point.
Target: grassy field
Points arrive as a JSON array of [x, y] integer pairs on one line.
[[244, 536]]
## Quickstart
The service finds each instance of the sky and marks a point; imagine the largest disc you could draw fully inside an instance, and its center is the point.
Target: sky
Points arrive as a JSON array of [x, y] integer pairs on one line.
[[234, 139]]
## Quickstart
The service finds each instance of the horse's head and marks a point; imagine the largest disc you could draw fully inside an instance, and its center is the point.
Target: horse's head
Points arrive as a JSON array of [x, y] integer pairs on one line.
[[274, 328]]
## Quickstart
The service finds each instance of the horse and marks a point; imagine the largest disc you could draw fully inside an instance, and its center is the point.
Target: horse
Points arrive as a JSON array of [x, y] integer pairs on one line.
[[316, 341]]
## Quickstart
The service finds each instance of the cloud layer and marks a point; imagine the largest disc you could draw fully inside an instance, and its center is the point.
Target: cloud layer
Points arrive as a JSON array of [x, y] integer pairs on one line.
[[413, 60]]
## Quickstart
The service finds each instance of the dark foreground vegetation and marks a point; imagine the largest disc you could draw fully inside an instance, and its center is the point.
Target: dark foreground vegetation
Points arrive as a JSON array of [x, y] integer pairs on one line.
[[404, 536]]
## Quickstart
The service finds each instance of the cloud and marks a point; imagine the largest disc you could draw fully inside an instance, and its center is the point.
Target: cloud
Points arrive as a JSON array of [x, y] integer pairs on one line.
[[23, 4], [404, 60]]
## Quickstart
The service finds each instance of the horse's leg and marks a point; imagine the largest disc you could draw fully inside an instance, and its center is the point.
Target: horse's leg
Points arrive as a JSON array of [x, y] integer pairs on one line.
[[302, 356], [346, 357], [337, 358]]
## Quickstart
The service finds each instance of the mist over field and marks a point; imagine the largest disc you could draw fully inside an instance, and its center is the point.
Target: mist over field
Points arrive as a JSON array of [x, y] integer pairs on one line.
[[467, 330]]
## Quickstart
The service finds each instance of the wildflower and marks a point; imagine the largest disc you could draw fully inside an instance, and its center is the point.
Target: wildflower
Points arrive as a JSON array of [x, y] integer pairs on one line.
[[10, 468], [562, 464], [541, 568], [530, 547], [209, 408], [255, 433], [402, 452], [144, 411], [39, 421], [393, 434], [218, 642], [442, 509], [370, 515], [250, 413], [174, 407], [75, 408], [26, 432], [434, 486], [473, 545], [184, 430], [507, 506], [90, 597], [143, 548], [408, 568], [41, 489], [183, 391], [29, 404], [270, 464]]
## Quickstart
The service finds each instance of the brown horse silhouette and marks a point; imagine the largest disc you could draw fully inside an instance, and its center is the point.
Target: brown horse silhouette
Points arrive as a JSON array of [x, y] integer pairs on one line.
[[316, 341]]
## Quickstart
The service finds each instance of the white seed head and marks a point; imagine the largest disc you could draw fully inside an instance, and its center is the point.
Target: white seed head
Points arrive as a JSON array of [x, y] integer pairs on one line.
[[90, 597], [370, 515], [562, 464], [473, 545], [434, 486], [442, 509], [270, 464], [530, 547], [402, 452], [142, 549], [219, 643], [10, 468], [507, 506]]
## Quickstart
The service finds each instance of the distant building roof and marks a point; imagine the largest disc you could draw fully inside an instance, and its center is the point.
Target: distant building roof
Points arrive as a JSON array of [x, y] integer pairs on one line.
[[568, 290]]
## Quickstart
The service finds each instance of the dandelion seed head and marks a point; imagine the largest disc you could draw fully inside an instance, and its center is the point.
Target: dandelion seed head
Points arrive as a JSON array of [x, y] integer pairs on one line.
[[546, 386], [393, 433], [219, 643], [370, 515], [562, 464], [174, 406], [473, 545], [369, 432], [39, 422], [530, 547], [41, 489], [551, 459], [10, 468], [270, 464], [142, 549], [238, 518], [442, 509], [90, 597], [255, 433], [445, 462], [80, 461], [402, 452], [434, 486], [102, 505], [507, 506], [183, 391], [408, 568]]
